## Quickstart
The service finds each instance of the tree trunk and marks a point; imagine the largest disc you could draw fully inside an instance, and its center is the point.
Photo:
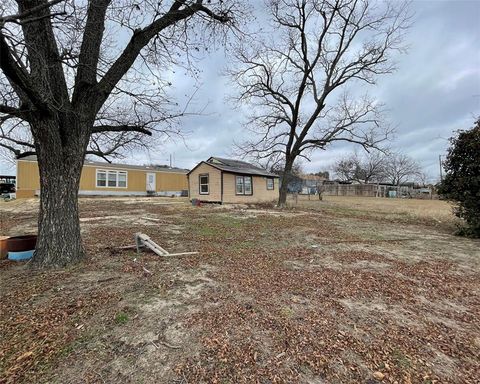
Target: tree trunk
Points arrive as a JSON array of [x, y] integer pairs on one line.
[[60, 164], [287, 176]]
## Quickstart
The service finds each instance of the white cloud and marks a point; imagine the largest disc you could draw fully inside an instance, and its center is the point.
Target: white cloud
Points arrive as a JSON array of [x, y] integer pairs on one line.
[[435, 91]]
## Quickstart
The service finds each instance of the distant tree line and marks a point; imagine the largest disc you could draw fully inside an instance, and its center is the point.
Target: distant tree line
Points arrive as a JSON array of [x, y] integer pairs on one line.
[[376, 167]]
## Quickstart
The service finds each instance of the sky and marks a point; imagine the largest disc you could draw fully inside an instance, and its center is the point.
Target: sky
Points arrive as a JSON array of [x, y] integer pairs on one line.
[[434, 92]]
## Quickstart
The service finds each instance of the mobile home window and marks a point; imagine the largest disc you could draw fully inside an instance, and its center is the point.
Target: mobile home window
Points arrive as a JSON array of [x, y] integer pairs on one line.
[[203, 182], [122, 179], [243, 185], [101, 178], [112, 179], [270, 184]]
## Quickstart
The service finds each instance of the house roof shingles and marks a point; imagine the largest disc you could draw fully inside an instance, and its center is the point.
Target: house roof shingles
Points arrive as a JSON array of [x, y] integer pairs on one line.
[[236, 166]]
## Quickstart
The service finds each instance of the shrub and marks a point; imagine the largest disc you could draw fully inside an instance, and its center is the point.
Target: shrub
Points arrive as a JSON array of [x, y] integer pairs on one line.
[[462, 180]]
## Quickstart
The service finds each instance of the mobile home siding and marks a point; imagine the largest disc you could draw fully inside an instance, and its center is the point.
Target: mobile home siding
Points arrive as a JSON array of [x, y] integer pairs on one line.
[[214, 183], [260, 191], [28, 180], [136, 180], [171, 181]]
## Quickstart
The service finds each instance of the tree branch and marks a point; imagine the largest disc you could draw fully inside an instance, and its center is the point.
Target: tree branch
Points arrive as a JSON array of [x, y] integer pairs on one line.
[[90, 48], [11, 111], [17, 75], [121, 128], [142, 37], [23, 15]]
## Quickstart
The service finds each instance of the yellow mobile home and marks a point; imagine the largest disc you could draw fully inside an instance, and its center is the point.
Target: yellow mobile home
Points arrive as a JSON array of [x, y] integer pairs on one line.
[[109, 179]]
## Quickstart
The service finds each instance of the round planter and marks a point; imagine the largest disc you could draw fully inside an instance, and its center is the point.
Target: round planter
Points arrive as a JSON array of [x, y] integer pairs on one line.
[[21, 243], [20, 256]]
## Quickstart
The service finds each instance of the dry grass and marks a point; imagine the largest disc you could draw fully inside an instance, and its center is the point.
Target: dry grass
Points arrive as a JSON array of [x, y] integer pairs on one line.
[[346, 291], [435, 212]]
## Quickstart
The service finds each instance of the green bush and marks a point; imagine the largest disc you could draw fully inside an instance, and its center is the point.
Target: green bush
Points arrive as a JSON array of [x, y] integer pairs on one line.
[[461, 184]]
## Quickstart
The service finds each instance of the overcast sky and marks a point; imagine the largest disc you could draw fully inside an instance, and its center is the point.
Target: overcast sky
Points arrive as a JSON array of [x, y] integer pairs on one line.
[[435, 91]]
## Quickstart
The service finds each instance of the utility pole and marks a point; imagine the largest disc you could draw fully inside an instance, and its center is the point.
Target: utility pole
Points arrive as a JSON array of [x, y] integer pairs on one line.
[[440, 163], [170, 160]]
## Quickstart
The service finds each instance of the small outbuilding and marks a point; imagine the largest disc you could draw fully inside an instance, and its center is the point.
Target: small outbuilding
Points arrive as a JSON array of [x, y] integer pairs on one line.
[[219, 180]]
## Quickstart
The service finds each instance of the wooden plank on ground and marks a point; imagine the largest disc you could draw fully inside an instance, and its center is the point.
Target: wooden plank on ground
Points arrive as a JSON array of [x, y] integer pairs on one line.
[[142, 240]]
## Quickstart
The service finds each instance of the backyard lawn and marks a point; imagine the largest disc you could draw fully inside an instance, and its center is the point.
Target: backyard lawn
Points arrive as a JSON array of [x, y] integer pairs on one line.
[[336, 291]]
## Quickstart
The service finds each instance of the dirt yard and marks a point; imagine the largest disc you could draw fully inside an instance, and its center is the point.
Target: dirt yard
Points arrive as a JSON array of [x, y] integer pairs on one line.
[[345, 290]]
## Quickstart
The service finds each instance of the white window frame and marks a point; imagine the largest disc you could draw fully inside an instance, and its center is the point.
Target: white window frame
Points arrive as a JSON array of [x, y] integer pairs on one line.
[[126, 179], [273, 183], [237, 184], [243, 193], [97, 171], [207, 183], [111, 172]]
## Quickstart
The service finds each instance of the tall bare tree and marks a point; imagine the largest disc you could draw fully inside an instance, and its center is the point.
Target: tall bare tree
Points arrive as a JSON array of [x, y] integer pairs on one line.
[[398, 168], [295, 80], [79, 77]]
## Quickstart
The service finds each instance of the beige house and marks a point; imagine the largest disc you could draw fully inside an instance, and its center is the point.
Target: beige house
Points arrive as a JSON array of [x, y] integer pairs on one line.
[[220, 180], [109, 179]]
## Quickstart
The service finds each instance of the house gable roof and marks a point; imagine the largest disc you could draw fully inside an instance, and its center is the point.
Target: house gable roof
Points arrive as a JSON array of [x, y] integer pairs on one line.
[[236, 166]]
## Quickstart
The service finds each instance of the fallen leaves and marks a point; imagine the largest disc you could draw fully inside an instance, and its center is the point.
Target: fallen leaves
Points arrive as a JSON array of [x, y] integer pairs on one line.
[[378, 375], [24, 356], [37, 320], [280, 310]]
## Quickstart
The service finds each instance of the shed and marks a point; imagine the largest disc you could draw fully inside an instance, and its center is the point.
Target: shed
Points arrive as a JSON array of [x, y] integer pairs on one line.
[[220, 180]]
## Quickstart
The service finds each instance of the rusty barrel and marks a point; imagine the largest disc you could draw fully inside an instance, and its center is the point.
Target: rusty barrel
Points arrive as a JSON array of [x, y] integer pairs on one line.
[[21, 243]]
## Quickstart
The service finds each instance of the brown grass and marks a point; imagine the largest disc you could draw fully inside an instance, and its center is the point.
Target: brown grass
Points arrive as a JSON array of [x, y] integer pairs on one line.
[[345, 290], [434, 212]]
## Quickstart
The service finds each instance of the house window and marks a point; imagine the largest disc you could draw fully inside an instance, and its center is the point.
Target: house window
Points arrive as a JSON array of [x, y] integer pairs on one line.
[[111, 179], [203, 183], [243, 185], [270, 184]]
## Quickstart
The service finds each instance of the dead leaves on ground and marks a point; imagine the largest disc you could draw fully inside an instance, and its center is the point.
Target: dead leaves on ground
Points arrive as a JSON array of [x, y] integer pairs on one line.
[[278, 312]]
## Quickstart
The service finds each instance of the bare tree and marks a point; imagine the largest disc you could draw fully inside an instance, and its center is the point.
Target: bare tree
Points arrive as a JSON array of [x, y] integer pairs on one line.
[[293, 79], [399, 167], [345, 169], [369, 167], [69, 87]]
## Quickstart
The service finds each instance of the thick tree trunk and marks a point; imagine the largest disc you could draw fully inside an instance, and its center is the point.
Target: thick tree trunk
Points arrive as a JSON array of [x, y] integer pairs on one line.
[[60, 164], [282, 198], [287, 175]]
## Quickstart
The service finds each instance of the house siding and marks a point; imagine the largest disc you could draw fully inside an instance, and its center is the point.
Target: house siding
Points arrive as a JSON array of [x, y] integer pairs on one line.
[[260, 192], [28, 180], [214, 181]]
